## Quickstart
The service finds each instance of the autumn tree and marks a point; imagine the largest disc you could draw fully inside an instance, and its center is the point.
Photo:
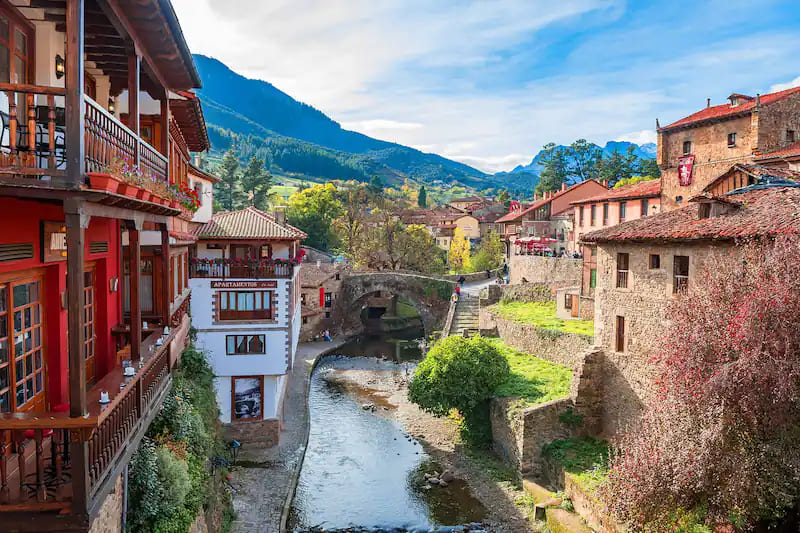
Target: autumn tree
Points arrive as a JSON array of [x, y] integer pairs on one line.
[[313, 210], [458, 256], [504, 197], [350, 227], [490, 253], [721, 434]]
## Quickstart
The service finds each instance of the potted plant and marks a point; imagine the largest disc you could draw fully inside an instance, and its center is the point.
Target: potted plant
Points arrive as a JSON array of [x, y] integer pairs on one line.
[[102, 181]]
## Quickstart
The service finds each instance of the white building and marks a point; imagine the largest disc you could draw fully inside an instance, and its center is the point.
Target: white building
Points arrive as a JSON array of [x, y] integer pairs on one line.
[[245, 281]]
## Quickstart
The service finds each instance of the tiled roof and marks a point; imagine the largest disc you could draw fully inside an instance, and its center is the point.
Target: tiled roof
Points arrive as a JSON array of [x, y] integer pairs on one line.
[[644, 189], [761, 209], [757, 172], [725, 110], [490, 217], [249, 223], [790, 150], [467, 199], [515, 215]]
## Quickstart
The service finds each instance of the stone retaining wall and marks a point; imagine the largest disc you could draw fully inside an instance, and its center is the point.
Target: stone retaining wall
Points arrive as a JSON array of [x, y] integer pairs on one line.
[[551, 345], [589, 508], [257, 433], [555, 272]]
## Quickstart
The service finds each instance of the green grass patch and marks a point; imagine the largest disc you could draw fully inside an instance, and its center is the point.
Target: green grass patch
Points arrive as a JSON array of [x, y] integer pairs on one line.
[[543, 315], [586, 458], [534, 380]]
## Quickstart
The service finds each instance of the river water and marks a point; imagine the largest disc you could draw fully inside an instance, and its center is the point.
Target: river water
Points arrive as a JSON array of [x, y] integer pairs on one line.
[[361, 469]]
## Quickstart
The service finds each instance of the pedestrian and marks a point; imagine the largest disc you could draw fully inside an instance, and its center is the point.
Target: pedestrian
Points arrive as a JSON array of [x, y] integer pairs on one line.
[[327, 336], [461, 280], [505, 268], [488, 274], [458, 291]]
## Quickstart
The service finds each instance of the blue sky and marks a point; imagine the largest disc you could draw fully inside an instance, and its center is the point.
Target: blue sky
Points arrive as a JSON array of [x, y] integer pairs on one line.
[[489, 82]]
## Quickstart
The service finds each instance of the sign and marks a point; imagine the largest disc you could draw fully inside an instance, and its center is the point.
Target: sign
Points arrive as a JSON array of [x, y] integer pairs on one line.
[[685, 165], [244, 284], [54, 241]]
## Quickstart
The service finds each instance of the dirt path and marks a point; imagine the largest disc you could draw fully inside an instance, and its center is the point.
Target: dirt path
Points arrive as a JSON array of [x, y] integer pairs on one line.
[[387, 390]]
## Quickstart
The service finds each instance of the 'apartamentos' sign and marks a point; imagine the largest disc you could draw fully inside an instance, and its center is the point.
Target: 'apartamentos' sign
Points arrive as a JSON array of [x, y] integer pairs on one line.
[[244, 284]]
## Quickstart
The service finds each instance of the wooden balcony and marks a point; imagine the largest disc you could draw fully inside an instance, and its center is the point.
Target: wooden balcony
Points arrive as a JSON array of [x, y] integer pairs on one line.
[[60, 468], [33, 138], [221, 270]]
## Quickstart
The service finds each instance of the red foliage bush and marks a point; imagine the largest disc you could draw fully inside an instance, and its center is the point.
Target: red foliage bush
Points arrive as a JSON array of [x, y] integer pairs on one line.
[[722, 434]]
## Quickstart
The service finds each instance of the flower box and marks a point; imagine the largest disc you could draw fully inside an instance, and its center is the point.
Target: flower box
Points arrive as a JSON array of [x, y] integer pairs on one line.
[[100, 181], [175, 204], [144, 195], [128, 190]]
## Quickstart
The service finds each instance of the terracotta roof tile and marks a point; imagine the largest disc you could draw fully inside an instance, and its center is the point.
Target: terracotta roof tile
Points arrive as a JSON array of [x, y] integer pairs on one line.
[[724, 110], [762, 209], [644, 189], [249, 223], [790, 150]]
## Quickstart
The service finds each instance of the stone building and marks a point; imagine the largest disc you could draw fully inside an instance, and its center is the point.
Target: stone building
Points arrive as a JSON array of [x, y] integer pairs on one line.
[[320, 284], [696, 149], [642, 265]]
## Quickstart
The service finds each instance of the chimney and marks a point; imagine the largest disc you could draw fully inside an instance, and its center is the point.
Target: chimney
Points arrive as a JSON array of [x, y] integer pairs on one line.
[[708, 102], [280, 214], [563, 186], [605, 184], [758, 100]]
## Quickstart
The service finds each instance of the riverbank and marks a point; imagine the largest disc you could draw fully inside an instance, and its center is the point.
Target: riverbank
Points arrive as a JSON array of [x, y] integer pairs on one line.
[[263, 478], [491, 483]]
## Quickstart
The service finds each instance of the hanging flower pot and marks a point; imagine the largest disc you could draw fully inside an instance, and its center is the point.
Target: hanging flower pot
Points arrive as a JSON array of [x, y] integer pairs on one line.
[[100, 181]]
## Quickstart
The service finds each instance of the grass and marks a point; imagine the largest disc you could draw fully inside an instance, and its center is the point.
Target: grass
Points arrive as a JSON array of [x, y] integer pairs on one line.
[[543, 315], [586, 458], [534, 380]]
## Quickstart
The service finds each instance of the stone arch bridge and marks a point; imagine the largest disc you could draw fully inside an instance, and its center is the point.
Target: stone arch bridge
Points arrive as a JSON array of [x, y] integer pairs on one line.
[[430, 295]]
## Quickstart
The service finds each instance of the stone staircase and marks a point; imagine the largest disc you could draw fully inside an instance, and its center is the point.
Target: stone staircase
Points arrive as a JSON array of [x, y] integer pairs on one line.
[[465, 319]]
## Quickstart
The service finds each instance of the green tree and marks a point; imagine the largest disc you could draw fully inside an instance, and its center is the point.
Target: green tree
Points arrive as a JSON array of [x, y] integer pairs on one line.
[[649, 167], [422, 197], [228, 191], [504, 197], [618, 166], [490, 253], [351, 226], [313, 210], [417, 250], [460, 373], [375, 186], [256, 183], [583, 157], [458, 256], [555, 169], [632, 180]]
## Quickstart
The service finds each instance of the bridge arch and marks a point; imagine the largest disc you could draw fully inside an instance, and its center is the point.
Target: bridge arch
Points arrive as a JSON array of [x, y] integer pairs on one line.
[[430, 296]]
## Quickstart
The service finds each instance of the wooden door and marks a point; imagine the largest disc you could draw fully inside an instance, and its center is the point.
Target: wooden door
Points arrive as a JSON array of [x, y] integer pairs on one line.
[[574, 308], [89, 329], [23, 299]]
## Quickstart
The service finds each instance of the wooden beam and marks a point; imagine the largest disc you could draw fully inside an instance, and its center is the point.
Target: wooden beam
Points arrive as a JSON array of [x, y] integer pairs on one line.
[[165, 126], [74, 94], [166, 275], [134, 269], [134, 63]]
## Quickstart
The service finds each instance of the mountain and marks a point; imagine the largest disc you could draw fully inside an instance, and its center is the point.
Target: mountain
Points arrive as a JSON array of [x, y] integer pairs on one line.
[[644, 151], [294, 137]]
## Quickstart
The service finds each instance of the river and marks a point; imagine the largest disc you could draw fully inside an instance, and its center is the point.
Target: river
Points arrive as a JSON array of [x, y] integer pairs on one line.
[[361, 468]]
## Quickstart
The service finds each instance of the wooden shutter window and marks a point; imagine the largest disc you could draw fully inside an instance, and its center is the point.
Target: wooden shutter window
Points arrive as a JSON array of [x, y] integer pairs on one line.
[[620, 344]]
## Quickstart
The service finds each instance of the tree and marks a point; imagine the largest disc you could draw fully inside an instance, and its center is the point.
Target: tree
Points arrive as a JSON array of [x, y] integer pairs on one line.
[[490, 253], [350, 227], [618, 166], [504, 197], [649, 167], [422, 197], [583, 157], [721, 433], [555, 169], [458, 256], [313, 210], [375, 186], [460, 373], [229, 193], [632, 181], [256, 183], [417, 250]]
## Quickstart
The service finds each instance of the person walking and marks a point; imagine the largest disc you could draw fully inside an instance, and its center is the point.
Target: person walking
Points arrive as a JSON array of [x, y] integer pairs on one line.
[[461, 280]]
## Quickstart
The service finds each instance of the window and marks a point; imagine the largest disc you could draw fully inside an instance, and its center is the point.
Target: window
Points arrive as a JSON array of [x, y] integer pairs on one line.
[[21, 365], [680, 274], [327, 314], [328, 299], [247, 398], [645, 206], [790, 136], [338, 276], [731, 140], [567, 301], [687, 147], [244, 344], [593, 215], [305, 320], [704, 210], [244, 305], [623, 209], [580, 216], [622, 270], [605, 214], [620, 344], [593, 278], [655, 261]]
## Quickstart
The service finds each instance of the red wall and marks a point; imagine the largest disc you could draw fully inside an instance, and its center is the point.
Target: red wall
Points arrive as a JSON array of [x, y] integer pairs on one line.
[[20, 223]]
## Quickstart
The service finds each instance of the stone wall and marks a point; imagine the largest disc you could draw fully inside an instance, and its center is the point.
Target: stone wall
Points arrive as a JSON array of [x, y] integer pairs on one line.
[[256, 433], [528, 292], [552, 345], [555, 272], [109, 518]]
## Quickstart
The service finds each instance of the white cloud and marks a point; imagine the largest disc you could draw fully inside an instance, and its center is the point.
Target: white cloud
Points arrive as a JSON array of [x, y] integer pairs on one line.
[[492, 164], [639, 137], [783, 86], [379, 125]]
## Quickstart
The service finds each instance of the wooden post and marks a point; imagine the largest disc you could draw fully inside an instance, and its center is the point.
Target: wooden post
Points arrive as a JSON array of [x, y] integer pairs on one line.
[[74, 101], [165, 125], [79, 451], [166, 296], [134, 267], [134, 65]]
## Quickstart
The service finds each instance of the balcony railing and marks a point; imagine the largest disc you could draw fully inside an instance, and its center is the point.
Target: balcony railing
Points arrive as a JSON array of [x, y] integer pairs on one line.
[[36, 467], [33, 136], [220, 270]]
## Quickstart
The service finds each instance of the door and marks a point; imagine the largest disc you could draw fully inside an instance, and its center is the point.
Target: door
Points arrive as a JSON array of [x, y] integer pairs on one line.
[[89, 329], [574, 308]]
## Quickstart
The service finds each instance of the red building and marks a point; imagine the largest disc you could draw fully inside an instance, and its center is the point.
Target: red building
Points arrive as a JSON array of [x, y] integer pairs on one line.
[[94, 236]]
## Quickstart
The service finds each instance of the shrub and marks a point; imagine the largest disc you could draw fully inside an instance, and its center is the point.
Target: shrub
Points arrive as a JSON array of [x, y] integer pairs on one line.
[[174, 476], [723, 431], [145, 488], [460, 374]]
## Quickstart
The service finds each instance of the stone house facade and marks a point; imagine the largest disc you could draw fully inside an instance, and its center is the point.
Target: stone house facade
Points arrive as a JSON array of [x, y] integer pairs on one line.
[[719, 136], [644, 265], [320, 285]]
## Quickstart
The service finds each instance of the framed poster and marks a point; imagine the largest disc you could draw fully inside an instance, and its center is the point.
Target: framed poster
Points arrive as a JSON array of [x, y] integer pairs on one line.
[[247, 398]]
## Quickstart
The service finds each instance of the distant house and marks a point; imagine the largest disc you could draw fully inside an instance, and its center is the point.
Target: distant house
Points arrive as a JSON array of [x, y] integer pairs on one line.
[[464, 202]]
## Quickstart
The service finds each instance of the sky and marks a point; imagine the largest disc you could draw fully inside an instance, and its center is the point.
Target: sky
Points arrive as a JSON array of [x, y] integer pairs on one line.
[[489, 82]]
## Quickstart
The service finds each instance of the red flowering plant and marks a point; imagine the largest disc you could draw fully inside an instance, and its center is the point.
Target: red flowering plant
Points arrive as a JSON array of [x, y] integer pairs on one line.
[[720, 438], [186, 196]]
